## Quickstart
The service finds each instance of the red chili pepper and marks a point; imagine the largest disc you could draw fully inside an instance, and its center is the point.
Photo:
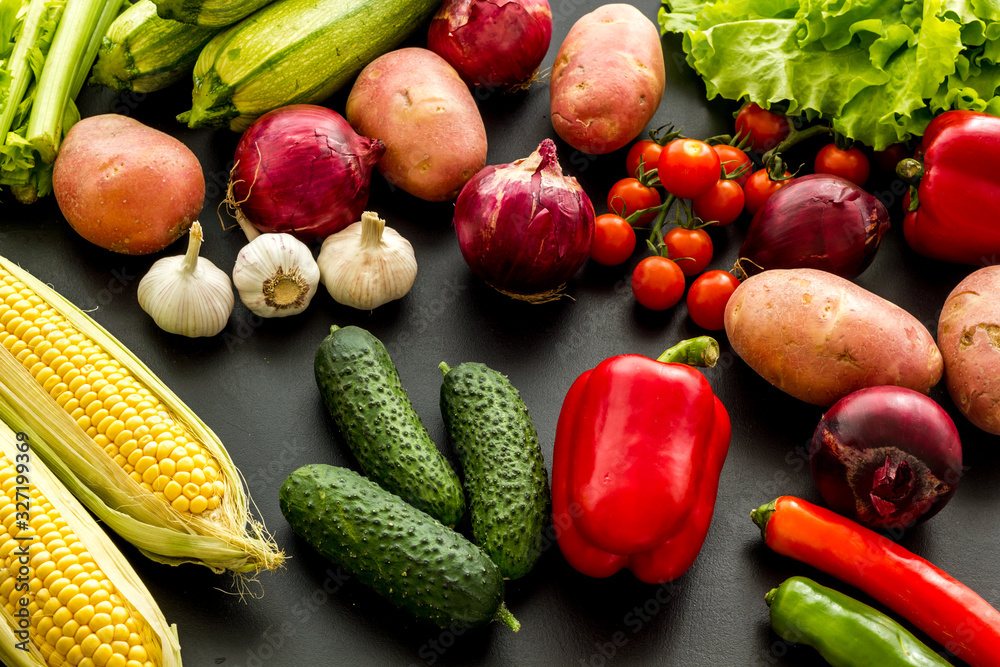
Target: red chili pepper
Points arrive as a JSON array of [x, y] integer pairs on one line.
[[947, 610], [956, 215], [639, 449]]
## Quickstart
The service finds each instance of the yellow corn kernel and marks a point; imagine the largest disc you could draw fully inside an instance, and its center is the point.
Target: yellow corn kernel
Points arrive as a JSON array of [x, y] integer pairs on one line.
[[74, 604], [101, 396]]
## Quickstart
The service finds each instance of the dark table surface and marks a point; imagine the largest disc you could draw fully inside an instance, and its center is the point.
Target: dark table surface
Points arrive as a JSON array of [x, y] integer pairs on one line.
[[253, 385]]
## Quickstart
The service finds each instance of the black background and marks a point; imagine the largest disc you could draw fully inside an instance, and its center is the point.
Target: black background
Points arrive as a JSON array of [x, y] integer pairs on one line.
[[253, 385]]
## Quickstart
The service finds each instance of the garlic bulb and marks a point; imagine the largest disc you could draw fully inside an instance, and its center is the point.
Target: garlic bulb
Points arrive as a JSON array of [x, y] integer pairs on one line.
[[187, 294], [367, 264], [276, 275]]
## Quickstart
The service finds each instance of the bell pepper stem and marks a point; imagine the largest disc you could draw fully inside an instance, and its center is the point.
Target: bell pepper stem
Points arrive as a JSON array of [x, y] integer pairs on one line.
[[769, 596], [762, 515], [910, 170], [700, 351], [507, 618]]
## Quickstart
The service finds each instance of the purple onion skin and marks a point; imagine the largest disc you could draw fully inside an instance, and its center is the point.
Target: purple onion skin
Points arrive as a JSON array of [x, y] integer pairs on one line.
[[817, 221], [887, 457], [303, 170], [524, 227], [492, 43]]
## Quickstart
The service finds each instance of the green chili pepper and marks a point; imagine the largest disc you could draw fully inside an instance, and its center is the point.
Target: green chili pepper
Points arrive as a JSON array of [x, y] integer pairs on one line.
[[846, 632]]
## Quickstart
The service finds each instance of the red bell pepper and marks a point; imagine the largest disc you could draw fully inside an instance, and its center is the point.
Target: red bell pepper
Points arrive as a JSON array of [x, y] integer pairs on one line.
[[947, 610], [639, 448], [955, 215]]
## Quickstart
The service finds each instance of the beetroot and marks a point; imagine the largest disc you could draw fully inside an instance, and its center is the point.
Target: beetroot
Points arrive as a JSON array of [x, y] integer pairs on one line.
[[886, 456]]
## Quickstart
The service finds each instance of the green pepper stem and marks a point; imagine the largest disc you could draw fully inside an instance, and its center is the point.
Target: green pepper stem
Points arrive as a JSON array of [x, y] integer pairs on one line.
[[334, 328], [507, 618], [700, 351], [762, 515], [910, 170], [769, 596], [445, 368]]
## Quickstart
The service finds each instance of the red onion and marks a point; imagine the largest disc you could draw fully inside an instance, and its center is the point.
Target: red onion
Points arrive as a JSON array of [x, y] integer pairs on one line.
[[524, 227], [492, 43], [817, 221], [302, 170], [886, 456]]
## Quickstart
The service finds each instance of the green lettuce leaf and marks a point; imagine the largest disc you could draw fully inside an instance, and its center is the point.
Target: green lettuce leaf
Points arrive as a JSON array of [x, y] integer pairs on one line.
[[878, 70]]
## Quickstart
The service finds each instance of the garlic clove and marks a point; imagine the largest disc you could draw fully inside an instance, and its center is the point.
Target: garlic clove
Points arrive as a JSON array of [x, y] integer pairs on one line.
[[276, 275], [367, 264], [187, 294]]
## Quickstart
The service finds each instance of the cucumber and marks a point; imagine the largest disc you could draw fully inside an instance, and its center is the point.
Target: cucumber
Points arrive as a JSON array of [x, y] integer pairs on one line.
[[505, 478], [362, 391], [402, 553]]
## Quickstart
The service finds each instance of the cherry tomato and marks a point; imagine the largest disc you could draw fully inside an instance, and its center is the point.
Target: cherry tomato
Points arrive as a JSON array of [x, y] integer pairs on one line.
[[629, 195], [759, 187], [648, 151], [693, 243], [614, 240], [890, 157], [766, 129], [688, 167], [708, 296], [850, 164], [723, 203], [732, 159], [657, 283]]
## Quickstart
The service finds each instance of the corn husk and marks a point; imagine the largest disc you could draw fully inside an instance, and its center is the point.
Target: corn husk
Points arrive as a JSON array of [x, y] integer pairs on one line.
[[229, 539], [104, 552]]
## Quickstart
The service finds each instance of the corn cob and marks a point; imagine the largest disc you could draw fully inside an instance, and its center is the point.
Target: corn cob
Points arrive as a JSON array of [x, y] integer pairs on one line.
[[208, 13], [143, 52], [294, 52], [68, 595], [132, 451]]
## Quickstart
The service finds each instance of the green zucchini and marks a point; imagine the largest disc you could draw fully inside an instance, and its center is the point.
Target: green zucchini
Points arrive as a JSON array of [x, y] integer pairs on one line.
[[362, 391], [402, 553], [143, 52], [207, 13], [504, 474], [294, 52]]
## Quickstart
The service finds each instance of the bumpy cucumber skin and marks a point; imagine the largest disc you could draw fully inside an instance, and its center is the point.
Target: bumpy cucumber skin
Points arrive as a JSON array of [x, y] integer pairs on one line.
[[505, 477], [400, 552], [362, 391]]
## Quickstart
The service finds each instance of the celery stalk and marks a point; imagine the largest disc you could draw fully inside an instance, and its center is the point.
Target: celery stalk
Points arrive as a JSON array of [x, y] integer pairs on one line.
[[69, 49], [19, 72]]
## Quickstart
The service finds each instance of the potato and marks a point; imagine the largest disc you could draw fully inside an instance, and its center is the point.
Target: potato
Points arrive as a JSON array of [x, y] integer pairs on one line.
[[125, 186], [969, 336], [819, 337], [607, 80], [418, 106]]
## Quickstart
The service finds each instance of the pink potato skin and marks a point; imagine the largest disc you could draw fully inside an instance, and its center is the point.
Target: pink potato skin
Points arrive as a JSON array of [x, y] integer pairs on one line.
[[607, 80], [819, 337], [969, 336], [125, 186], [417, 105]]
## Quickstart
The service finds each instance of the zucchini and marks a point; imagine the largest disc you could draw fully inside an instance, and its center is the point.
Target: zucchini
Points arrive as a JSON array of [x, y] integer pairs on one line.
[[504, 474], [207, 13], [402, 553], [362, 391], [144, 53], [294, 52]]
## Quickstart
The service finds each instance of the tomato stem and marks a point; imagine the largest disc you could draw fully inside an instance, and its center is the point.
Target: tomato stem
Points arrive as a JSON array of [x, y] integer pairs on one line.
[[794, 137]]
